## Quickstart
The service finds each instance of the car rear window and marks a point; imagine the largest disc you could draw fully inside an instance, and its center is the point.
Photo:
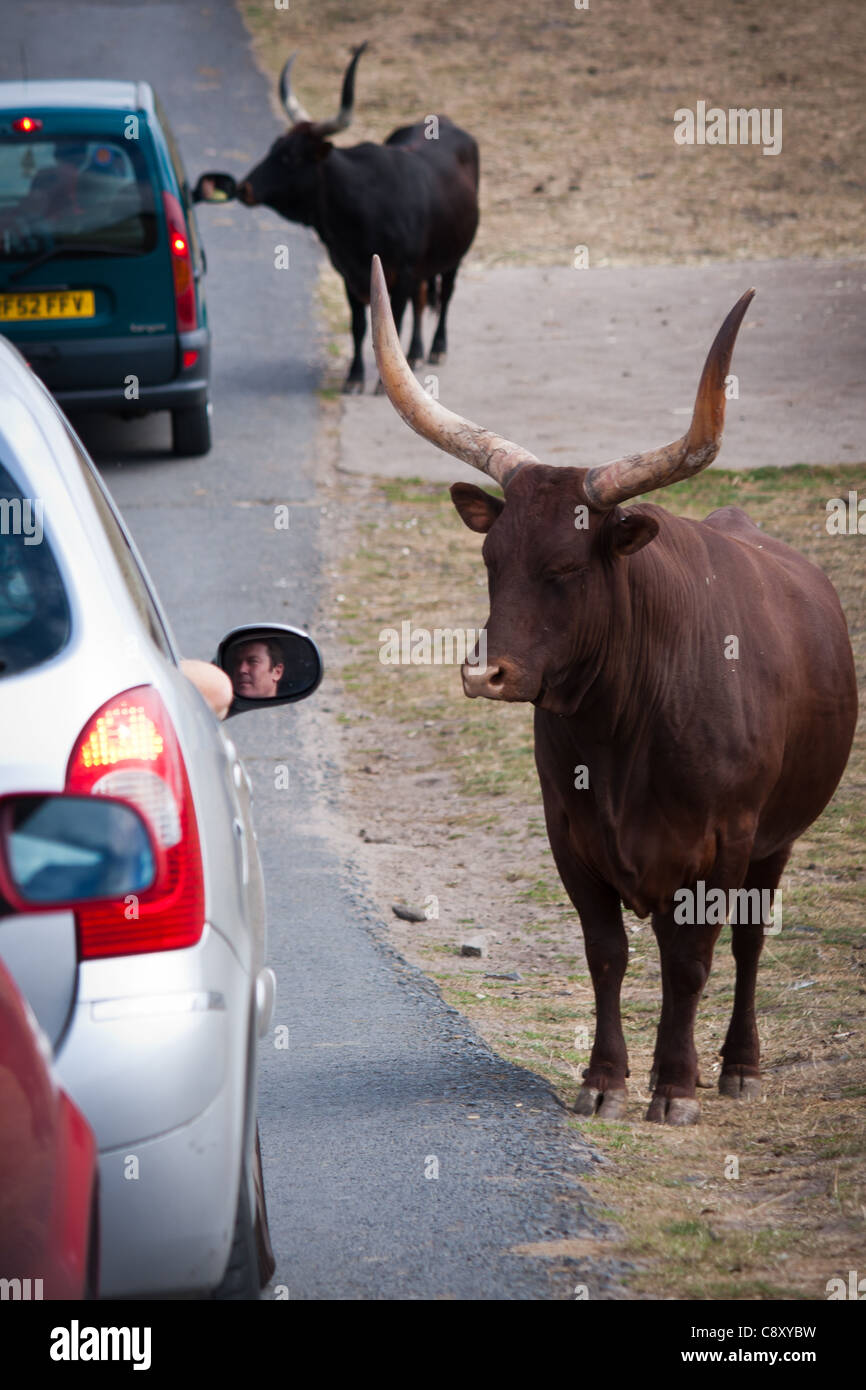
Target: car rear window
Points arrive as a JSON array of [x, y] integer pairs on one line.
[[34, 613], [80, 195], [124, 553]]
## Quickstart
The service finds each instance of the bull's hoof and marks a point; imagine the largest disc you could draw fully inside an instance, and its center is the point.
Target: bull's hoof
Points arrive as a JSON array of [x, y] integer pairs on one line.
[[414, 363], [613, 1105], [436, 359], [380, 390], [737, 1087], [353, 387], [588, 1100], [673, 1110], [606, 1105]]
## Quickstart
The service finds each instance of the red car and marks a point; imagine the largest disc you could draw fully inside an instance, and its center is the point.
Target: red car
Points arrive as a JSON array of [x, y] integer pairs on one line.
[[48, 1172]]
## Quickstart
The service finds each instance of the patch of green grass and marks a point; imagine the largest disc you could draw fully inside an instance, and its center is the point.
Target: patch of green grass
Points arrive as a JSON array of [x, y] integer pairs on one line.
[[759, 488], [840, 1145], [687, 1228], [543, 890], [411, 490], [749, 1290]]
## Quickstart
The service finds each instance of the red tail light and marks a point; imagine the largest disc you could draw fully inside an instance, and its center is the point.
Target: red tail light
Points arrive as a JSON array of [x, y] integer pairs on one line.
[[181, 264], [129, 749], [25, 125]]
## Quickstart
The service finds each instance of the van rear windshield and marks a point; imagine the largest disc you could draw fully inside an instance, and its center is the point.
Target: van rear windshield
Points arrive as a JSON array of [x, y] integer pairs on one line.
[[73, 195], [34, 613]]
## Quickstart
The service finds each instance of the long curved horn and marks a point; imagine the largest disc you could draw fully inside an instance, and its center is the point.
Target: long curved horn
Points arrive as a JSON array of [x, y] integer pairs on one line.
[[294, 109], [611, 483], [343, 117], [492, 454]]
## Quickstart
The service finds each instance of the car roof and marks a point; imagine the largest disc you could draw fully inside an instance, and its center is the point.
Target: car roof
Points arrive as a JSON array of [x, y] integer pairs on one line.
[[85, 94]]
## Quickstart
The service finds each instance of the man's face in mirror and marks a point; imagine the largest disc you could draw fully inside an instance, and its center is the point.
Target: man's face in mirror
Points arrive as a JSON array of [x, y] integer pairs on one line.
[[257, 669]]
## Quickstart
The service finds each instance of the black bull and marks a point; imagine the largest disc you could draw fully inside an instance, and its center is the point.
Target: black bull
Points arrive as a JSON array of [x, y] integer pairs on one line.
[[412, 201]]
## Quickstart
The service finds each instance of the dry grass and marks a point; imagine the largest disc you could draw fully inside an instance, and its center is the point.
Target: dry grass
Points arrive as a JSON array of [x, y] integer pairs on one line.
[[574, 114], [445, 795]]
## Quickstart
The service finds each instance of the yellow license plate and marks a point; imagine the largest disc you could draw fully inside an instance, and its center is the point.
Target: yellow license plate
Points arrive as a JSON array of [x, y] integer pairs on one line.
[[50, 304]]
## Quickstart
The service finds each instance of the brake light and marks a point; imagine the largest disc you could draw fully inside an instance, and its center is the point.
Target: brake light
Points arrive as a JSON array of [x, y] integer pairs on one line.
[[25, 124], [129, 749], [181, 264], [190, 357]]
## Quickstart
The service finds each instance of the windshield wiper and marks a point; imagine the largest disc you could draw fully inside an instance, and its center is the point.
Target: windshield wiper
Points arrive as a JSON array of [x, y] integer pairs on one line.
[[64, 248]]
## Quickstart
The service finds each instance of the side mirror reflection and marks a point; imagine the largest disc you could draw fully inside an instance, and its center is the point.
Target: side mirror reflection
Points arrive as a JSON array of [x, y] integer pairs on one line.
[[215, 188], [269, 665]]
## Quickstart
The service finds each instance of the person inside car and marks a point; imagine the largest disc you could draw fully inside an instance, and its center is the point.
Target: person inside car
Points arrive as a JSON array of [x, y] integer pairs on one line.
[[257, 668], [53, 190]]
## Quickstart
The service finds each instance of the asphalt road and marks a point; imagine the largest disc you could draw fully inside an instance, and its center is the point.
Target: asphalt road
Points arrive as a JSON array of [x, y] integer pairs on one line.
[[379, 1077]]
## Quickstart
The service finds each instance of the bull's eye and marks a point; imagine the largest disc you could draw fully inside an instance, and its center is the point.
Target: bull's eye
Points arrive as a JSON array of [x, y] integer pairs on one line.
[[563, 572]]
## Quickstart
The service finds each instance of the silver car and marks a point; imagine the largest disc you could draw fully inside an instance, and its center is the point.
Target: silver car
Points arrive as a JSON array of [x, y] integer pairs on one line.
[[153, 1004]]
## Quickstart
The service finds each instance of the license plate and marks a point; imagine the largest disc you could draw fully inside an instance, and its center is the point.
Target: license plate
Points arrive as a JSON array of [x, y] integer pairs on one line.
[[51, 304]]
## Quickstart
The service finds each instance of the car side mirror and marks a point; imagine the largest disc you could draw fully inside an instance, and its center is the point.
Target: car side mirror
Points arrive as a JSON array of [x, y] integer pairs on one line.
[[62, 851], [215, 188], [269, 664]]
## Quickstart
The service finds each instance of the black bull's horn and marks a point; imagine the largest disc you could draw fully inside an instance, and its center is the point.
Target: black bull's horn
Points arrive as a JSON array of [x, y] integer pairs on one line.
[[295, 111]]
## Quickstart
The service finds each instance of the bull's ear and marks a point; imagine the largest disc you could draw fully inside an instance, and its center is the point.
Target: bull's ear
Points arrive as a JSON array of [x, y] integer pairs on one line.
[[631, 529], [316, 147], [478, 508]]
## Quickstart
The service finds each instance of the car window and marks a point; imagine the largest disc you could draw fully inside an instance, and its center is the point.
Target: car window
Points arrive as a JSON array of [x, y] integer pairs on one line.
[[89, 196], [34, 611], [124, 554]]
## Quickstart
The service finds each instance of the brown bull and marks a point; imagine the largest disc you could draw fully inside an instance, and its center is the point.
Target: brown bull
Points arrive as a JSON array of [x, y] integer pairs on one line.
[[695, 702]]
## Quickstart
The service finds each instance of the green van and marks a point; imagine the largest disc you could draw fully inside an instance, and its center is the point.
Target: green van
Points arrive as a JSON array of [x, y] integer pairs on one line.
[[101, 267]]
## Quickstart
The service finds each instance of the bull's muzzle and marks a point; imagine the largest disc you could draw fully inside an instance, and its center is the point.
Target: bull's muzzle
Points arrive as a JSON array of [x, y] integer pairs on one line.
[[501, 679], [483, 680]]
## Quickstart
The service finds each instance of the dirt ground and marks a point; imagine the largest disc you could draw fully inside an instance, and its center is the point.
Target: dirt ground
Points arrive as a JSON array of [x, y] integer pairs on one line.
[[573, 111], [443, 815]]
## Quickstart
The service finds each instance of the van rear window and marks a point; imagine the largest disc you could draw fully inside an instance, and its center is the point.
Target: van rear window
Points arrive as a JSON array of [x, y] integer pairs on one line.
[[34, 613], [74, 195]]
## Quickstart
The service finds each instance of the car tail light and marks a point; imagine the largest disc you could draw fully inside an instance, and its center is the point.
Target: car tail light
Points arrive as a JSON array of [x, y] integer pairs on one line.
[[24, 125], [129, 749], [190, 357], [181, 264]]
